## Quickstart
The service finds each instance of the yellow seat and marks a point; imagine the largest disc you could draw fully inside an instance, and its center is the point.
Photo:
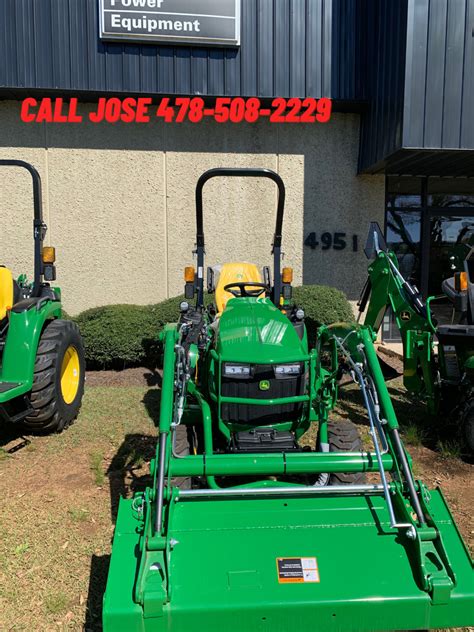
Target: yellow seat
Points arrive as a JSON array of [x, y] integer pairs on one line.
[[6, 291], [234, 273]]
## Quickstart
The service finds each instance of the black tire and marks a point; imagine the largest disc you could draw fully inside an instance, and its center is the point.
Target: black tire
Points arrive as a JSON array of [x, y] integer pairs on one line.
[[52, 412], [468, 426], [343, 436], [183, 446]]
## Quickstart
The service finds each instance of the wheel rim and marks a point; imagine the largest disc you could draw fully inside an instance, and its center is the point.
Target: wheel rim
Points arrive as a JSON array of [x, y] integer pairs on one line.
[[70, 373]]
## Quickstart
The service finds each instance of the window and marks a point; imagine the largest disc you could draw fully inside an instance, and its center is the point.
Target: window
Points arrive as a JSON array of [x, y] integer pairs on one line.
[[427, 223], [450, 192]]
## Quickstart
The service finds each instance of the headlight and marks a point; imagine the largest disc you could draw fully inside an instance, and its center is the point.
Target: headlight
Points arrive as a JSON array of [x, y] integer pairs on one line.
[[287, 370], [237, 370]]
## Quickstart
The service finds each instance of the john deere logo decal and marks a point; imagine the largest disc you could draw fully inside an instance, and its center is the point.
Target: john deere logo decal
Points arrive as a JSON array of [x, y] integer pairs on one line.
[[264, 385], [405, 315]]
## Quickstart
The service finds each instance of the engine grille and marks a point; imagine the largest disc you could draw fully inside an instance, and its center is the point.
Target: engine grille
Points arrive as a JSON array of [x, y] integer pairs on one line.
[[262, 415]]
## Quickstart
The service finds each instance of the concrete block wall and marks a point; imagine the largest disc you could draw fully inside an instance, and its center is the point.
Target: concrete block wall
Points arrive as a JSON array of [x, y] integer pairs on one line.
[[119, 201]]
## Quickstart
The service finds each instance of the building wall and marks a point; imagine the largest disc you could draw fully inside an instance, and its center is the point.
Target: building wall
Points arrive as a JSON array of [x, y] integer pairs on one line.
[[119, 201]]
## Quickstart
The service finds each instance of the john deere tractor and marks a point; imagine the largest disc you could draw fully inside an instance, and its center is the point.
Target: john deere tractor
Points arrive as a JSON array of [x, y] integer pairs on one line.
[[265, 514], [438, 359], [41, 355]]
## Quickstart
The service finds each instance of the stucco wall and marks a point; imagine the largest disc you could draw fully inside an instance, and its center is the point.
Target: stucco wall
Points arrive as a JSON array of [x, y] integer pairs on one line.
[[119, 201]]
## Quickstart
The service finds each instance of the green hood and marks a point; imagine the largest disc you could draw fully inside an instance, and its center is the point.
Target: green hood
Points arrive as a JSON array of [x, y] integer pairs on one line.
[[254, 330]]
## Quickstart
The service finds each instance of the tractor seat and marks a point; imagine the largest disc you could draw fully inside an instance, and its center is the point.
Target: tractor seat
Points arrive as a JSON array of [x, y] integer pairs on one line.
[[6, 291], [234, 273]]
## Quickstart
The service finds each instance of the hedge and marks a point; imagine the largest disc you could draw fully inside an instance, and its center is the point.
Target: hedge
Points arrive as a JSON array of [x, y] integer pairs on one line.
[[322, 305], [118, 336]]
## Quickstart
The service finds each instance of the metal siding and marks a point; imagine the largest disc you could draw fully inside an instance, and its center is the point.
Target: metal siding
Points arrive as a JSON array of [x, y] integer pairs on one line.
[[216, 72], [297, 48], [25, 34], [415, 82], [453, 74], [436, 52], [384, 49], [8, 69], [43, 45], [95, 63], [436, 91], [313, 48], [199, 71], [329, 43], [248, 50], [288, 48], [265, 42], [61, 45], [78, 42], [281, 74], [439, 96], [182, 67], [467, 113]]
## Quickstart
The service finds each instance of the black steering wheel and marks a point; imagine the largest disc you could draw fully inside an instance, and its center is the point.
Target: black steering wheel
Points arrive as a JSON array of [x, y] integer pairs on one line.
[[240, 289]]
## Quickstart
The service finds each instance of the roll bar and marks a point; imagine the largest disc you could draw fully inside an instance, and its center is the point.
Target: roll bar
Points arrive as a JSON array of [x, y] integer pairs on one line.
[[39, 227], [276, 247]]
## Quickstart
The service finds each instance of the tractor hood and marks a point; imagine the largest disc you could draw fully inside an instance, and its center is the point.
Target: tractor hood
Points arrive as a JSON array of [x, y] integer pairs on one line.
[[254, 330]]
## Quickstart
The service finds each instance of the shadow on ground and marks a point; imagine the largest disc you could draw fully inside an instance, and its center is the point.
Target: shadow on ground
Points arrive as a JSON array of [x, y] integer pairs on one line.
[[128, 471], [97, 582], [13, 438]]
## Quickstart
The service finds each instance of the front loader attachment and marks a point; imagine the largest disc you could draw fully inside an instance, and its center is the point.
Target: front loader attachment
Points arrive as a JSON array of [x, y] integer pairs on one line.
[[312, 563]]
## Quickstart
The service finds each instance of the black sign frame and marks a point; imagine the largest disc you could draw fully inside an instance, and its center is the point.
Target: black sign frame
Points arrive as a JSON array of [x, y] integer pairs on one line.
[[149, 15]]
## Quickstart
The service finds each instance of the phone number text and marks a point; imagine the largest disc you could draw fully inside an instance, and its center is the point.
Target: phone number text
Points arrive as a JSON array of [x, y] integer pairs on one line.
[[178, 110]]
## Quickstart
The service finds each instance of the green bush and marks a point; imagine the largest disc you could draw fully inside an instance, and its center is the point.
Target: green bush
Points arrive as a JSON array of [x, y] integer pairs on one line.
[[117, 336], [114, 335], [322, 305]]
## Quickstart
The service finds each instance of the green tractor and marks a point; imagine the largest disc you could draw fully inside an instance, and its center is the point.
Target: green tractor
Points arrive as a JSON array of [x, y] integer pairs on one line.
[[42, 356], [253, 522], [438, 360]]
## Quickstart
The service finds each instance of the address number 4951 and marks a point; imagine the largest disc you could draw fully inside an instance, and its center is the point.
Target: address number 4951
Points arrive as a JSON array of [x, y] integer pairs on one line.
[[327, 241]]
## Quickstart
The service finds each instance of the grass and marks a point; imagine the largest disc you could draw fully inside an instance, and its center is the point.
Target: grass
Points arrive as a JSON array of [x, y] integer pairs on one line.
[[449, 449], [21, 548], [413, 434], [56, 516], [96, 460], [78, 515], [56, 603]]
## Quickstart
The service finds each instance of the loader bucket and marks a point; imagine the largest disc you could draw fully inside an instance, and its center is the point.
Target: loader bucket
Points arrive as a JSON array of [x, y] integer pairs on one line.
[[282, 563]]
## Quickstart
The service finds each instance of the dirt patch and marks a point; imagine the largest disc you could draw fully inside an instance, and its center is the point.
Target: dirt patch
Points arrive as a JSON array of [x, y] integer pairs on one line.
[[456, 480], [139, 376], [391, 360]]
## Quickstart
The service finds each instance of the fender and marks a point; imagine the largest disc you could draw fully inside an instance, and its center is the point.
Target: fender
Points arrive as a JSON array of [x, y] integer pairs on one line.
[[21, 346]]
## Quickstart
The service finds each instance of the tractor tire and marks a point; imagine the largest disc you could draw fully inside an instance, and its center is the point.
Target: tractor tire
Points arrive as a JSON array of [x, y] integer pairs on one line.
[[183, 447], [343, 436], [468, 426], [58, 381]]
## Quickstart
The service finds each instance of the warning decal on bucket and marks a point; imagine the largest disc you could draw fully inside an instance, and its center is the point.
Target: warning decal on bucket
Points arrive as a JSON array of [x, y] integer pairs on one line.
[[297, 570]]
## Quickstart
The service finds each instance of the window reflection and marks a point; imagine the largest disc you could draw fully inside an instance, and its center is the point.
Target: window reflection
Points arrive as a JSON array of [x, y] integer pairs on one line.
[[450, 192], [403, 233], [449, 235]]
